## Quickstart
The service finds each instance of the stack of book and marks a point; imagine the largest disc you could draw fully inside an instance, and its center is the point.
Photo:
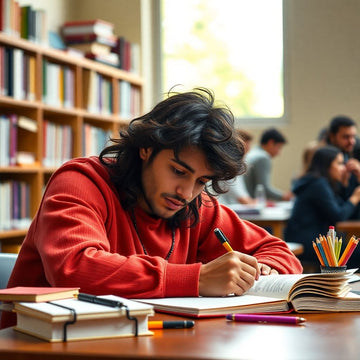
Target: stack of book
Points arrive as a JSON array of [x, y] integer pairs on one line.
[[94, 38], [64, 314]]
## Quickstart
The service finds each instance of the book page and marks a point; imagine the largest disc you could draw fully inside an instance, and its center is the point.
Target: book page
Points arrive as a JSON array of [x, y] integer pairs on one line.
[[277, 286], [350, 302], [280, 286]]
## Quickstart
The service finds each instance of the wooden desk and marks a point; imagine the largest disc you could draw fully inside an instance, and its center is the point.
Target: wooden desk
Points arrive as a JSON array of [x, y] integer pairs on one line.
[[351, 227], [328, 336]]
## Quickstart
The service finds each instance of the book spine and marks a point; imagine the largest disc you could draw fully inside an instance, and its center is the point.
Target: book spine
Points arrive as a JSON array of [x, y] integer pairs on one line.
[[13, 139]]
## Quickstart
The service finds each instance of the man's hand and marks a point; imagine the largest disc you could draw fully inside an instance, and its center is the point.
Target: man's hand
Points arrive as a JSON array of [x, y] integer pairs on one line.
[[231, 273], [267, 270], [353, 166]]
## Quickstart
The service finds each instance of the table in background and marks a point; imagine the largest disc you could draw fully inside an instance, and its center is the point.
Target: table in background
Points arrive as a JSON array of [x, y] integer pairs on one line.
[[324, 336], [350, 227], [274, 217]]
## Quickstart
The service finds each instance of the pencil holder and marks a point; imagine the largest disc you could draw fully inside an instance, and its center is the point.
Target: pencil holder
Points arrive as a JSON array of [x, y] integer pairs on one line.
[[332, 269]]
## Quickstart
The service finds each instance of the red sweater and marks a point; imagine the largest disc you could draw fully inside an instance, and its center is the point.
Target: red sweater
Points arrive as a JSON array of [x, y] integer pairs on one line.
[[81, 236]]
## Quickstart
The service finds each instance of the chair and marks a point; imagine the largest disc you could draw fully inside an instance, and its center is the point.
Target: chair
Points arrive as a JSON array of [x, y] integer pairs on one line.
[[7, 262]]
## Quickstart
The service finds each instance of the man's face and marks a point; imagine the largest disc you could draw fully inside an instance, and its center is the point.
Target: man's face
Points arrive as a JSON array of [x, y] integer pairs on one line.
[[274, 148], [337, 168], [345, 138], [169, 184]]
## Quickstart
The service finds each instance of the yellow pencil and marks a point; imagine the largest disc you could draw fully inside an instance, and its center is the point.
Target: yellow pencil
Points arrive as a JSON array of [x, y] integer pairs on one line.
[[336, 244], [339, 249], [332, 250]]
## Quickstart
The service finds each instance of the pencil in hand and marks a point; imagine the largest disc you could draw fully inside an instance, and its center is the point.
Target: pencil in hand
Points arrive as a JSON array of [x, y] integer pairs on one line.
[[223, 239]]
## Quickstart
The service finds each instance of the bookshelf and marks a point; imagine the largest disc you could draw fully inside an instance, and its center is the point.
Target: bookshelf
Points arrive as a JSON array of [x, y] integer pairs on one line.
[[69, 97]]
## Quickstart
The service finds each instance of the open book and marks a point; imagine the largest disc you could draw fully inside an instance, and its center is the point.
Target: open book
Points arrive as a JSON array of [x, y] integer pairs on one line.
[[72, 319], [272, 293]]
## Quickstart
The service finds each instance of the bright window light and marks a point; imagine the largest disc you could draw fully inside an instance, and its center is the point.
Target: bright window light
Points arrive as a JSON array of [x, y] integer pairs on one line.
[[234, 47]]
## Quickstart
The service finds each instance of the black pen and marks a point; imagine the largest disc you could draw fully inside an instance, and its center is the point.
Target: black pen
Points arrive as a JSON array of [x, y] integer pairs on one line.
[[181, 324], [220, 235], [99, 300]]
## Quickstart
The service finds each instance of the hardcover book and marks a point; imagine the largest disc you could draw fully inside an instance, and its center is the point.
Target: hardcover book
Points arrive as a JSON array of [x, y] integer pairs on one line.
[[99, 27], [37, 294]]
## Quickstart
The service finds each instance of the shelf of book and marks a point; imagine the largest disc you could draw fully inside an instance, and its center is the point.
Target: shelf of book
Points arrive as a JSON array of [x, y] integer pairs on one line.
[[53, 106]]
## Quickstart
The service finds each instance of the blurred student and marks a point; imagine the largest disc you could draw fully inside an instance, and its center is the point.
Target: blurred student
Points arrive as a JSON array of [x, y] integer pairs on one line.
[[236, 189], [259, 164], [318, 203], [311, 147], [342, 134]]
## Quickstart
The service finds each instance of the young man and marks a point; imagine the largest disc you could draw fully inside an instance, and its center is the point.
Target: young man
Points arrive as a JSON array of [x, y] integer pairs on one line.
[[259, 165], [342, 134], [236, 191], [137, 221]]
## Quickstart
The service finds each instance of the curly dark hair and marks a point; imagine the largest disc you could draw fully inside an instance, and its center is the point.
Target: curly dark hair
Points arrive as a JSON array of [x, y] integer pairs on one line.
[[179, 121]]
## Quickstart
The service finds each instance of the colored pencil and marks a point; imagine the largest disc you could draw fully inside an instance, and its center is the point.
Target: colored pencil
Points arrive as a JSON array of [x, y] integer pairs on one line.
[[344, 260], [317, 251]]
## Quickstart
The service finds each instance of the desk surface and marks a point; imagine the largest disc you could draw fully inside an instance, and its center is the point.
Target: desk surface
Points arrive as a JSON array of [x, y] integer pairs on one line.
[[323, 336]]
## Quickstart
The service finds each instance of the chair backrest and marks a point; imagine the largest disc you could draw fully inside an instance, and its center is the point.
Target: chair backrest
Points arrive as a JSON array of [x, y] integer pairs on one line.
[[7, 262]]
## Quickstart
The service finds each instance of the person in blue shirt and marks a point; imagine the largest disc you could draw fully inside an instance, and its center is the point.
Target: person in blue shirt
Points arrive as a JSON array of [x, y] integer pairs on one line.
[[318, 203]]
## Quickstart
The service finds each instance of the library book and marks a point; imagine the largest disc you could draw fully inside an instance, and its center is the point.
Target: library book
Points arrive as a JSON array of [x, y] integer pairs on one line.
[[281, 293]]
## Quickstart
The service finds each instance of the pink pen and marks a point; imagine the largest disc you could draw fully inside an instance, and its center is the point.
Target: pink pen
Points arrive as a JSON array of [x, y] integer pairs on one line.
[[266, 318]]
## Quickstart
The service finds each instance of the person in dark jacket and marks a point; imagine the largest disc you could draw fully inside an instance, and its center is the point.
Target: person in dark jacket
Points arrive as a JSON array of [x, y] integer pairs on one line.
[[318, 203]]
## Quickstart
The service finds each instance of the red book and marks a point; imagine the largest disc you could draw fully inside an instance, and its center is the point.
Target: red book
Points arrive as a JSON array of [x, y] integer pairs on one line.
[[109, 40], [99, 27], [37, 294], [92, 22]]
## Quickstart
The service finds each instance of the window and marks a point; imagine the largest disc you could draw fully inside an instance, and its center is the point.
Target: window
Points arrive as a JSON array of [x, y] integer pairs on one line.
[[234, 47]]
